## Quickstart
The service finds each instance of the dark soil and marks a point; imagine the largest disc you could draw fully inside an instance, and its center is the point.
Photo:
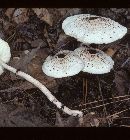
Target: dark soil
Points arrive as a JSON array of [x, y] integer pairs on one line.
[[105, 103]]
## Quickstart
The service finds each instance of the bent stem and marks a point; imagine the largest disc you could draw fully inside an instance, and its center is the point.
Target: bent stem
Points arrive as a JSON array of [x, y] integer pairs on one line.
[[43, 89]]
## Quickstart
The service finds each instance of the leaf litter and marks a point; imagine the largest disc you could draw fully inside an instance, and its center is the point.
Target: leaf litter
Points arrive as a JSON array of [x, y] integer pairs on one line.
[[33, 34]]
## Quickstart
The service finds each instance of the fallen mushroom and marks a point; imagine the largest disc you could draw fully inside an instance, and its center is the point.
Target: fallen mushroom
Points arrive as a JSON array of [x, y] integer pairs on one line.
[[89, 29], [95, 60], [63, 64], [5, 56]]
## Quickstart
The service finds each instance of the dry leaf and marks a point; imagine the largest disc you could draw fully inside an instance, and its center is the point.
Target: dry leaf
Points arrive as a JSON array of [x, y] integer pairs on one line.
[[74, 11], [19, 117], [63, 11], [95, 122], [59, 122], [66, 122], [66, 42], [90, 120], [2, 35], [63, 39], [22, 62], [23, 85], [110, 52], [20, 15], [50, 15], [35, 70], [120, 81], [31, 63], [36, 43], [118, 10], [44, 15], [8, 27], [9, 12]]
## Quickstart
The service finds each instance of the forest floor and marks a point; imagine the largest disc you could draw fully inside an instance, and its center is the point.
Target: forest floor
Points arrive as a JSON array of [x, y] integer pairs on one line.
[[107, 101]]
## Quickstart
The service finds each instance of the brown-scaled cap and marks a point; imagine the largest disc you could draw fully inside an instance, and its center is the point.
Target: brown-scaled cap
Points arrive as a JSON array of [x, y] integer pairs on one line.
[[63, 64], [96, 61], [90, 29]]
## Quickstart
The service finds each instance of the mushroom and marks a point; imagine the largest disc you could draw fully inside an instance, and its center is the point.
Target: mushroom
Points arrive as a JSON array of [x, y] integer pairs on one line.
[[5, 56], [95, 60], [90, 29], [63, 64]]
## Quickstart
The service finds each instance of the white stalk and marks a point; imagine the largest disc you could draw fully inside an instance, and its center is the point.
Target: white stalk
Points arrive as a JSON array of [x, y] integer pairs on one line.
[[43, 89]]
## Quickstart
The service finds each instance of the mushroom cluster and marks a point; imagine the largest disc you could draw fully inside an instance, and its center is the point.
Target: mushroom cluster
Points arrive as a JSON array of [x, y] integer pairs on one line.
[[68, 63], [85, 28], [88, 29]]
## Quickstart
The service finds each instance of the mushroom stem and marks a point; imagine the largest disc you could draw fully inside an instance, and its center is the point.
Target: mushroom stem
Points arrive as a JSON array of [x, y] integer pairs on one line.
[[84, 91], [43, 89]]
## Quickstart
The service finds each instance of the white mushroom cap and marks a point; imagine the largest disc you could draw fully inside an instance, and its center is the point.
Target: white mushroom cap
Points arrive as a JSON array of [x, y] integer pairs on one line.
[[5, 54], [89, 29], [64, 63], [96, 61]]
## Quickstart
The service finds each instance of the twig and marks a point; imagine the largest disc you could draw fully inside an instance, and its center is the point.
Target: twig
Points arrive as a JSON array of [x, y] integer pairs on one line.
[[127, 60], [109, 103], [104, 100], [118, 113], [124, 117], [104, 107], [11, 36], [127, 45], [125, 125], [43, 89], [84, 91], [102, 96]]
